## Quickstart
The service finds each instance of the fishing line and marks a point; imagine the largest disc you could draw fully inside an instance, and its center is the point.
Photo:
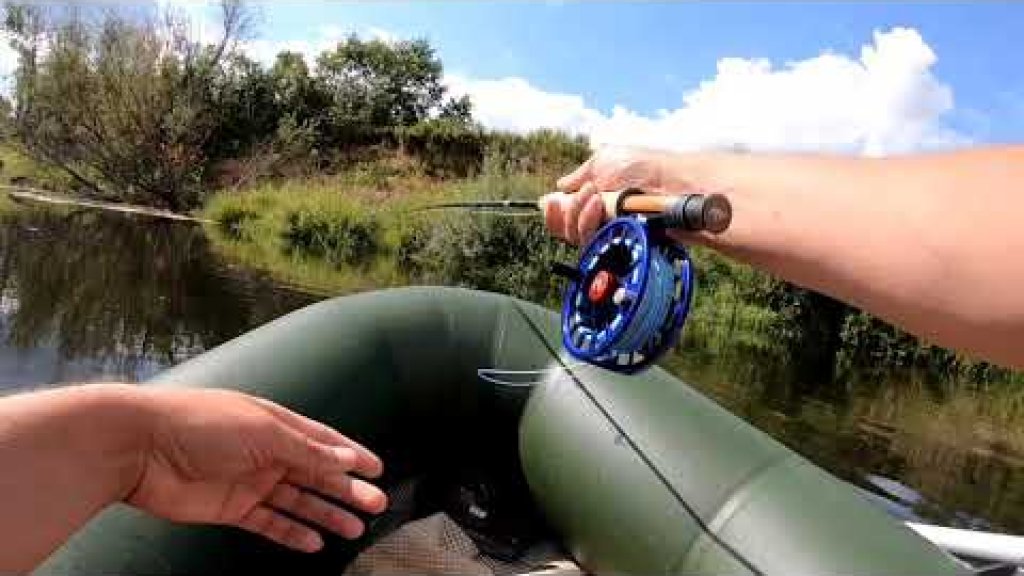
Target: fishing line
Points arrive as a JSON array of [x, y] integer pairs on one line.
[[654, 305], [495, 375]]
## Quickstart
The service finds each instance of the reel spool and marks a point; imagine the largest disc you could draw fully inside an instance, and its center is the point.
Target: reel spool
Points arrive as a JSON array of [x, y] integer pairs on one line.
[[628, 298]]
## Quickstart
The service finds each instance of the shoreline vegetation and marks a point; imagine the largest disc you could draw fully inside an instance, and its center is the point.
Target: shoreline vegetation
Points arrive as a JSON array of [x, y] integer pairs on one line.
[[311, 171]]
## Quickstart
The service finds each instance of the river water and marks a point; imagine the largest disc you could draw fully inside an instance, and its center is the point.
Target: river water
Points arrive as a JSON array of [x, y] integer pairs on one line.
[[88, 296]]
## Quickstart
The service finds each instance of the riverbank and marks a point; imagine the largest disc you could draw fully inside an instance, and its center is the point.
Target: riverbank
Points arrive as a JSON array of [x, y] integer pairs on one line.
[[343, 233], [19, 194]]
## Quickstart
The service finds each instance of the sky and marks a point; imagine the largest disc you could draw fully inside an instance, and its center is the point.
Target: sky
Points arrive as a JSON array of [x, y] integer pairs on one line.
[[866, 77]]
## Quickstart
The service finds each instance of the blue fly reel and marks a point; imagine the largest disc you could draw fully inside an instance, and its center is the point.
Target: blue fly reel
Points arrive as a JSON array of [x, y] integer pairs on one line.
[[628, 298]]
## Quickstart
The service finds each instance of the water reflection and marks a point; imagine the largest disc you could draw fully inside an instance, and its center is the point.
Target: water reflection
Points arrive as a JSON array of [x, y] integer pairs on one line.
[[924, 457], [90, 295]]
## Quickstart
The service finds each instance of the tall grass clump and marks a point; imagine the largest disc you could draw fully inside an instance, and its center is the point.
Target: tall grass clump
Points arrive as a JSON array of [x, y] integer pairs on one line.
[[341, 237]]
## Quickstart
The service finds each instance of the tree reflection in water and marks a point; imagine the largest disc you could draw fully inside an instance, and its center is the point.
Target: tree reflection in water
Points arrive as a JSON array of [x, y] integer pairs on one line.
[[89, 295]]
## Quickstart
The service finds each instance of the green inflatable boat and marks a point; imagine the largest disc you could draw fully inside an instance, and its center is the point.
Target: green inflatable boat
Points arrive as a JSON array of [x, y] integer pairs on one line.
[[630, 474]]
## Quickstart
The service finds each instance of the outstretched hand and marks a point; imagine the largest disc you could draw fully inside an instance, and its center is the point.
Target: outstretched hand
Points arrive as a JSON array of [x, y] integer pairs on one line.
[[222, 457]]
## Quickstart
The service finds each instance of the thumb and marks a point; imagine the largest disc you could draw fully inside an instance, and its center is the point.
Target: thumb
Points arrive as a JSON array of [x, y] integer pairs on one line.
[[574, 181]]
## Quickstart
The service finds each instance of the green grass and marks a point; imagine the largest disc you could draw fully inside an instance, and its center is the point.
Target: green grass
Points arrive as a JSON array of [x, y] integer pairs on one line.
[[17, 167], [343, 233]]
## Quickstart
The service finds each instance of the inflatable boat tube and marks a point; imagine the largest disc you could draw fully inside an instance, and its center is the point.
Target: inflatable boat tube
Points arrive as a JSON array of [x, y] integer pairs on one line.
[[633, 474]]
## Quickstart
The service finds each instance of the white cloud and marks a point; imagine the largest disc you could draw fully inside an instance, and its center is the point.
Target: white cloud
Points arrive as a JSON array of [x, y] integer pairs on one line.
[[381, 34], [884, 101], [8, 57], [514, 104], [326, 38]]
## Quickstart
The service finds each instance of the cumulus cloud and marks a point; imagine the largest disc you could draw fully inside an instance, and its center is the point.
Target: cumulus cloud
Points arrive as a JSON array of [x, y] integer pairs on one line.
[[326, 38], [515, 104], [885, 100]]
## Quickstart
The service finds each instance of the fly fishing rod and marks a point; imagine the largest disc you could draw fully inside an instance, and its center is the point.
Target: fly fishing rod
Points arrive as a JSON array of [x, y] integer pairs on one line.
[[686, 211], [630, 292]]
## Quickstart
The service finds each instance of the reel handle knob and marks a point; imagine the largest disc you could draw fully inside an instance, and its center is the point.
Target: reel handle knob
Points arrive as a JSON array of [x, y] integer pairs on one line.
[[698, 212], [695, 212]]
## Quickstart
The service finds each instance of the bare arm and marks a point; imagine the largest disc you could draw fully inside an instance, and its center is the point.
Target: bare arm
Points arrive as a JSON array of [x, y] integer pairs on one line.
[[933, 243], [65, 455], [192, 456]]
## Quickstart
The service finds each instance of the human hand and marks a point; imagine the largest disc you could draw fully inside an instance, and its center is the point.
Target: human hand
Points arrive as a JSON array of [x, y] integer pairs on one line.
[[222, 457], [575, 213]]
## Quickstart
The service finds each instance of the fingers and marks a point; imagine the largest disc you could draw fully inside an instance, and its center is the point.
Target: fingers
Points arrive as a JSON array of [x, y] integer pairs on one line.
[[281, 520], [591, 216], [355, 492], [553, 211], [311, 508], [571, 212], [325, 469], [367, 464], [574, 181], [574, 217], [279, 528]]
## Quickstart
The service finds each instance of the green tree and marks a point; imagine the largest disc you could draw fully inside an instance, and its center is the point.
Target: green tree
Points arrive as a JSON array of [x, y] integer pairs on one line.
[[381, 85], [243, 94], [296, 91], [457, 110], [123, 105]]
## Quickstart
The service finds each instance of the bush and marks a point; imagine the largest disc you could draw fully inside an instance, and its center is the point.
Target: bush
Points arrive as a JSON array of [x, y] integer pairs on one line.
[[339, 238], [122, 105], [445, 148], [295, 148], [546, 152], [449, 148], [507, 255], [233, 221]]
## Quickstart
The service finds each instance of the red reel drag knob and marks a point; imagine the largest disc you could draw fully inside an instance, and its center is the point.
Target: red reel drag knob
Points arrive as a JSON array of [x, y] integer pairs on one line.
[[602, 287]]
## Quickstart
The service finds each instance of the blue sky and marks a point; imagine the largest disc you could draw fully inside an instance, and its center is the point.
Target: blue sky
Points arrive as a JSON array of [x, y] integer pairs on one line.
[[951, 74]]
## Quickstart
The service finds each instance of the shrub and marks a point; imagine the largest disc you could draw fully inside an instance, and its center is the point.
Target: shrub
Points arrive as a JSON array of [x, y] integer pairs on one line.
[[445, 148], [233, 221], [547, 152], [507, 255], [340, 238]]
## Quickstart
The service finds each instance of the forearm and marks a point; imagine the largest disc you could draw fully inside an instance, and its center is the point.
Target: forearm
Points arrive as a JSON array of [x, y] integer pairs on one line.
[[65, 455], [931, 243]]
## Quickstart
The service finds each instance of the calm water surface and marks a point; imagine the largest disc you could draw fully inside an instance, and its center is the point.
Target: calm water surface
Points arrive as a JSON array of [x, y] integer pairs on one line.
[[90, 296]]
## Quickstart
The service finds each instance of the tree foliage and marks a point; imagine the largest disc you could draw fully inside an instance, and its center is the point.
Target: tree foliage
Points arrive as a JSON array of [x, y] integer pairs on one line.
[[123, 105], [377, 84], [138, 110]]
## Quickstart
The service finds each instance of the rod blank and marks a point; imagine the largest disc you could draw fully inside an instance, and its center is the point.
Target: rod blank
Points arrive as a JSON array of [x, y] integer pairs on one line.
[[693, 212]]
